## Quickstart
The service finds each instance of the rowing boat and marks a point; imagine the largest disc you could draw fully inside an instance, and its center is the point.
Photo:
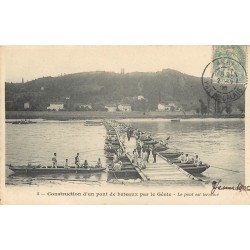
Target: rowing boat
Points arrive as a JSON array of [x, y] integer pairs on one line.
[[170, 155], [110, 156], [110, 150], [29, 169], [93, 123], [160, 147], [150, 142], [145, 139], [114, 142], [192, 168], [23, 122]]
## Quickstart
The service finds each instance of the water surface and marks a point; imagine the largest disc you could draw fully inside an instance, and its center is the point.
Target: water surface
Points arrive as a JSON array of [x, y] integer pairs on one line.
[[218, 142]]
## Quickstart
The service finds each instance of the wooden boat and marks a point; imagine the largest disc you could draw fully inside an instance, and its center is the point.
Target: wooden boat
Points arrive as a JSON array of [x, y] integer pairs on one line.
[[170, 154], [175, 160], [125, 164], [29, 169], [124, 167], [175, 120], [23, 122], [150, 142], [192, 168], [112, 149], [110, 156], [93, 123], [160, 148], [125, 174], [114, 142], [145, 139], [111, 132]]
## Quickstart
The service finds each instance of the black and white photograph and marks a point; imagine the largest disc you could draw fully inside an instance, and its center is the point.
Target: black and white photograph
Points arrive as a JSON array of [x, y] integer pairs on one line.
[[125, 123]]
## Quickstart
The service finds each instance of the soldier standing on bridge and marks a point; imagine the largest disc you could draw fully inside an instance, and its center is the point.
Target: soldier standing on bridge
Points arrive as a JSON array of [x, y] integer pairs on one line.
[[144, 159], [148, 151], [154, 153]]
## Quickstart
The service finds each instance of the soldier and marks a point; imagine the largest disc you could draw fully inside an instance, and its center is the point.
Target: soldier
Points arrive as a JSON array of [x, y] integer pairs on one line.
[[54, 161], [77, 160]]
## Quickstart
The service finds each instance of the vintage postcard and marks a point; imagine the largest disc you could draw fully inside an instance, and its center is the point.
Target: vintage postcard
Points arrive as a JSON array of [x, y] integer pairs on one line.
[[124, 125]]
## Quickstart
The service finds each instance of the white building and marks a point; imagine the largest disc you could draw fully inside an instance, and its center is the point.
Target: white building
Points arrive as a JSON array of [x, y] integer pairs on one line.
[[172, 105], [86, 106], [55, 106], [161, 107], [124, 107], [111, 108], [140, 97], [167, 107], [26, 105]]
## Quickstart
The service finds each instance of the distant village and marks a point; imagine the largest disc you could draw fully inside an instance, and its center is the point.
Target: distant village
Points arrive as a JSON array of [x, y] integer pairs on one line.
[[123, 107], [130, 104], [111, 107]]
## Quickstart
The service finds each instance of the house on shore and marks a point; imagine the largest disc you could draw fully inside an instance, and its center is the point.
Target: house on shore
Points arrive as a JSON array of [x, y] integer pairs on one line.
[[85, 106], [124, 107], [168, 107], [111, 108], [55, 106], [161, 107], [140, 97], [26, 105]]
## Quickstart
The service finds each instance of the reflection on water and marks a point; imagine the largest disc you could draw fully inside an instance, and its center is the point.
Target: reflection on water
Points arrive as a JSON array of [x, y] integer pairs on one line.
[[219, 143]]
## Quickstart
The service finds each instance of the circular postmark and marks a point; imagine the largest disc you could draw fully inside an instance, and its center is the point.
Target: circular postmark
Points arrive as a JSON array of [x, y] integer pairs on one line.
[[226, 81]]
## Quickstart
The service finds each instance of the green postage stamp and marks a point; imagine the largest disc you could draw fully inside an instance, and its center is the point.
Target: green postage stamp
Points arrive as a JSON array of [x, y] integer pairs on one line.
[[228, 76]]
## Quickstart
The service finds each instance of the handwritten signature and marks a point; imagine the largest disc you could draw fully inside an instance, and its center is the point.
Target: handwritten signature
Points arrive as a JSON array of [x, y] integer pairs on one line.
[[240, 187]]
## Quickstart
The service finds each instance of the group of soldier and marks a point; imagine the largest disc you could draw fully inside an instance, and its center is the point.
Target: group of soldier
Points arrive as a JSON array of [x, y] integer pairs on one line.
[[77, 162]]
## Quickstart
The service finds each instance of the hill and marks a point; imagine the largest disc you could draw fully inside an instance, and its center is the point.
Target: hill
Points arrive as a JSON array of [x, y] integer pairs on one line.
[[100, 88]]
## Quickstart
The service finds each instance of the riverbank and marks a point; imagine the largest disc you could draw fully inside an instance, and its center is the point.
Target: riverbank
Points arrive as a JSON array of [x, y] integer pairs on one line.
[[81, 115]]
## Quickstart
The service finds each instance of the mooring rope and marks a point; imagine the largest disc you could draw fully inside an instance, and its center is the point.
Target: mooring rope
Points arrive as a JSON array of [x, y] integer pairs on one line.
[[226, 169]]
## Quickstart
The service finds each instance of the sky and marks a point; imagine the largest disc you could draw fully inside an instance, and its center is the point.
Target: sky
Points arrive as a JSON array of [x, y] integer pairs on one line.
[[31, 62]]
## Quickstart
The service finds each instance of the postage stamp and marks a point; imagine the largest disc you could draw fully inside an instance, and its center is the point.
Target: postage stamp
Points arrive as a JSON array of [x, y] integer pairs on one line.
[[228, 76]]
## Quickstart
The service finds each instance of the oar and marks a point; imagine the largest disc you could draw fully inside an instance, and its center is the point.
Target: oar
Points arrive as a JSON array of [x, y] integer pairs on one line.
[[91, 150], [116, 176]]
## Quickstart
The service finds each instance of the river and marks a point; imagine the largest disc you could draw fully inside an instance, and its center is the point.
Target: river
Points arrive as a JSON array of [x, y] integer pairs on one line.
[[218, 142]]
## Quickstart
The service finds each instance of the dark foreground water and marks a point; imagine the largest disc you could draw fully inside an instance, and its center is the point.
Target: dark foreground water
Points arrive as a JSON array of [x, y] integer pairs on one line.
[[219, 143]]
